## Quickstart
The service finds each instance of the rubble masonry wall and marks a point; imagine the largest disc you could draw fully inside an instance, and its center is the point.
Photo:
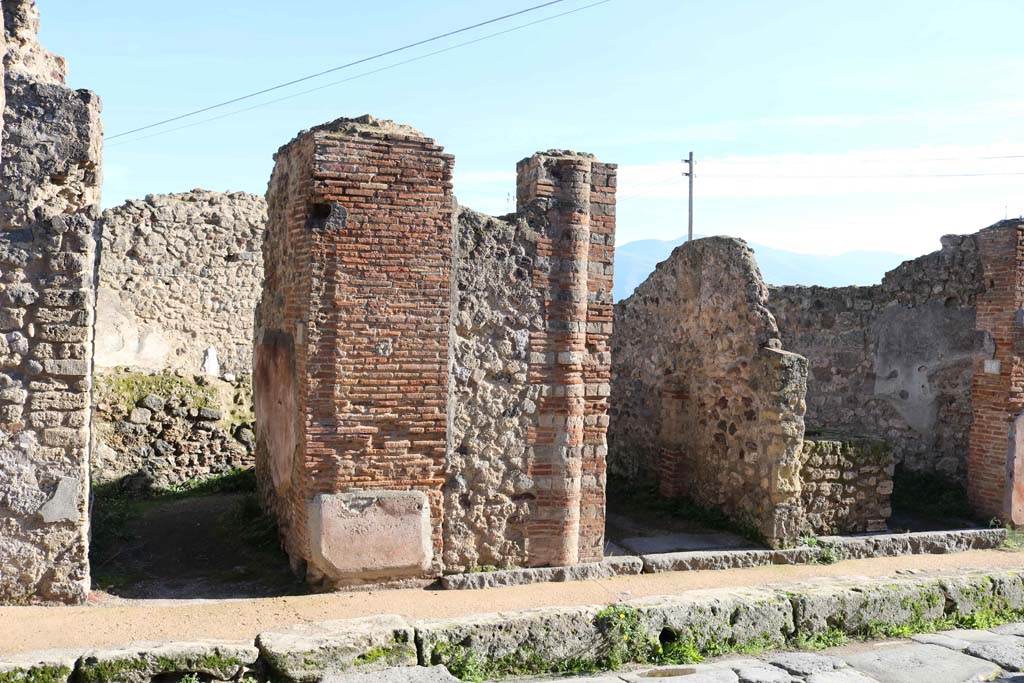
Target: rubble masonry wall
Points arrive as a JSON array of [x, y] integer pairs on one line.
[[704, 400], [895, 360], [180, 274], [49, 206]]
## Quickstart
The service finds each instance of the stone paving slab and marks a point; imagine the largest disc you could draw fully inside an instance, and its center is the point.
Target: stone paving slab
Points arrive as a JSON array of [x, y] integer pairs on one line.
[[408, 674], [696, 673], [677, 542], [917, 663]]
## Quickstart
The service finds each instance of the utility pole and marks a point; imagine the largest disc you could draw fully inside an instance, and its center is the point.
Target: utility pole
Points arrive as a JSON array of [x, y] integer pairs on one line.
[[690, 174]]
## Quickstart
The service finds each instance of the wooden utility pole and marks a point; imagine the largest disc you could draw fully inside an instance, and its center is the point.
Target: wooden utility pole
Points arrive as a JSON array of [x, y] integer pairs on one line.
[[690, 174]]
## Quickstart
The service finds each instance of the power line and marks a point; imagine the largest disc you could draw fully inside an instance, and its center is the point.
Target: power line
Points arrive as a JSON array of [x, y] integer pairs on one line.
[[362, 75], [339, 68], [879, 175], [741, 161]]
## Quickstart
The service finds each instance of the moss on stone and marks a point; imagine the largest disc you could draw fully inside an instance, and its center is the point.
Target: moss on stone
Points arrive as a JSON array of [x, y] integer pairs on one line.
[[125, 389], [115, 670], [212, 663], [36, 674]]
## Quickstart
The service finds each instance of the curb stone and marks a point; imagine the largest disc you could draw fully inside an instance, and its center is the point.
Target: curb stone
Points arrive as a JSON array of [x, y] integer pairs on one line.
[[140, 662], [623, 565], [307, 652], [846, 547]]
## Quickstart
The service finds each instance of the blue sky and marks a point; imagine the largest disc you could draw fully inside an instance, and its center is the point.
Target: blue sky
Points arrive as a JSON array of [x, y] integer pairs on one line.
[[882, 95]]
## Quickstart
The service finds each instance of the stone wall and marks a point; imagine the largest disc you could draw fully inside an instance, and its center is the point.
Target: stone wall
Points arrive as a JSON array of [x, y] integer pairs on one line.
[[704, 400], [846, 483], [158, 431], [488, 492], [48, 221], [179, 275], [894, 360]]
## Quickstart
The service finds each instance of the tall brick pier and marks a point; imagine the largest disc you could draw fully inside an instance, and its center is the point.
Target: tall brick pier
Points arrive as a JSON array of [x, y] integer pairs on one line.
[[574, 197], [352, 347]]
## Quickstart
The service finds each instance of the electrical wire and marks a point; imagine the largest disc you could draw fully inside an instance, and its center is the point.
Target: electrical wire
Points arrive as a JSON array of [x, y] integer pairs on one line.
[[356, 77], [363, 60]]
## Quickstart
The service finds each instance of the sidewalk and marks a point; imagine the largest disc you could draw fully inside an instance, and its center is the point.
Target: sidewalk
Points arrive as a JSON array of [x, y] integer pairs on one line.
[[110, 622]]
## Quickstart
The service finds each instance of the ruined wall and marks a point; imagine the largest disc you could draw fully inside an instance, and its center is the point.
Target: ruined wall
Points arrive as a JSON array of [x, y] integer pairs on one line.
[[352, 344], [995, 472], [895, 360], [155, 431], [531, 371], [488, 492], [180, 274], [846, 483], [48, 220], [704, 400]]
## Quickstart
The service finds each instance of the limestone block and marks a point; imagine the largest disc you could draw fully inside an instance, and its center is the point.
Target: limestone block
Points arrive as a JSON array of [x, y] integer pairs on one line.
[[610, 566], [140, 662], [847, 605], [370, 534], [493, 636], [706, 618], [306, 652], [51, 666]]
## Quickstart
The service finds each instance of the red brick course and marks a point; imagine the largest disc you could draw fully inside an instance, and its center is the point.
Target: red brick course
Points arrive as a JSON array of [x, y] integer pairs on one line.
[[995, 478]]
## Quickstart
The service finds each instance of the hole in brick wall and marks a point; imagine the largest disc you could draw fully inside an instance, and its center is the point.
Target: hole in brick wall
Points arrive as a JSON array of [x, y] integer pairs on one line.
[[667, 636], [320, 212]]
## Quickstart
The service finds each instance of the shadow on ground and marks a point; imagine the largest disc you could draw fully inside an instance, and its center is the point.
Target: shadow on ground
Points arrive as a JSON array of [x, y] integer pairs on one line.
[[641, 522], [210, 542]]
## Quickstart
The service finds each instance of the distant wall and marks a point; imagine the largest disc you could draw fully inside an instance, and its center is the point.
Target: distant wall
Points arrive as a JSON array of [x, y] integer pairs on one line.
[[895, 360], [704, 401], [180, 274]]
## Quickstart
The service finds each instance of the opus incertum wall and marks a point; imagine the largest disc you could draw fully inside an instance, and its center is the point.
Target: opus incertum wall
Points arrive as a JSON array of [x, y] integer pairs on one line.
[[49, 206], [414, 417]]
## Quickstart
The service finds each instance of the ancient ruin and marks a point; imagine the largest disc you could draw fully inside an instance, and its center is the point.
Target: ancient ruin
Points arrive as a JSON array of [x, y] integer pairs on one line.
[[358, 425], [711, 400], [425, 391]]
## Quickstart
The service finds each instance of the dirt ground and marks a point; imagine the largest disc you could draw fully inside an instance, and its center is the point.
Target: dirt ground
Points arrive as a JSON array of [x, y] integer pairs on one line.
[[206, 546], [117, 621]]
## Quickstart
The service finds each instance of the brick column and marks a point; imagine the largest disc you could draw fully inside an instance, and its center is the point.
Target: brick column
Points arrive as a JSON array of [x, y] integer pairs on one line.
[[572, 197], [995, 465], [358, 257]]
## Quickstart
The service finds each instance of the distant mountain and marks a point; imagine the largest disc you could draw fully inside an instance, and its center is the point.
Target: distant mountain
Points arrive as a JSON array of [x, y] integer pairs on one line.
[[634, 261]]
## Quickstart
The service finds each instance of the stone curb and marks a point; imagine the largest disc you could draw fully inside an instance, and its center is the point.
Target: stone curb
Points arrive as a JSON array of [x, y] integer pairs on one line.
[[708, 620], [833, 548], [609, 567]]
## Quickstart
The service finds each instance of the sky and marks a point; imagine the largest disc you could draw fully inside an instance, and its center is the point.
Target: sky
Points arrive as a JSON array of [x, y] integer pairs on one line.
[[819, 126]]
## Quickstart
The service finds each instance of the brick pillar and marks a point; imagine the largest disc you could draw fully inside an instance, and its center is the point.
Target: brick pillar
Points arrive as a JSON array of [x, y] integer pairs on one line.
[[352, 348], [995, 464], [573, 197]]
